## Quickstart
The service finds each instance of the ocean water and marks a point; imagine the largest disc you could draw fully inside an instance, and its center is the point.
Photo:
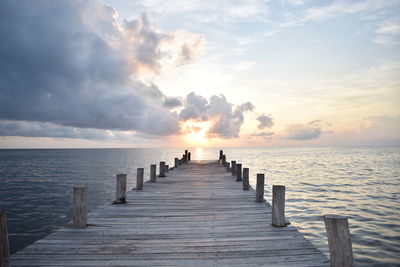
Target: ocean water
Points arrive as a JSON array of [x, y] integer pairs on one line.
[[362, 183]]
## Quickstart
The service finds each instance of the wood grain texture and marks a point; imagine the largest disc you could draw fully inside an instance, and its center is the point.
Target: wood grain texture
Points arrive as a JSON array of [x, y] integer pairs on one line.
[[4, 246], [197, 216], [340, 247], [79, 217]]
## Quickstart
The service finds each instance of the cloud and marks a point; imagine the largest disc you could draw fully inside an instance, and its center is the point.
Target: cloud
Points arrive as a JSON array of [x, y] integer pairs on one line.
[[265, 121], [172, 102], [308, 131], [73, 64], [263, 134], [381, 127], [384, 40], [226, 118], [44, 129], [389, 27]]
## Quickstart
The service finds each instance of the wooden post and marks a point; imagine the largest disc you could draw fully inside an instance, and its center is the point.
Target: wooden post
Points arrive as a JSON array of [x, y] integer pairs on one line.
[[121, 189], [162, 169], [260, 188], [153, 173], [139, 178], [223, 160], [228, 169], [189, 156], [186, 154], [339, 240], [221, 152], [176, 162], [166, 168], [179, 161], [278, 206], [79, 218], [238, 172], [233, 167], [4, 245], [246, 185]]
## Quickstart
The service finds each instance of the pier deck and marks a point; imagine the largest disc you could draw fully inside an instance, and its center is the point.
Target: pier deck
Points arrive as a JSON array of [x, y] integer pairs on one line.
[[196, 216]]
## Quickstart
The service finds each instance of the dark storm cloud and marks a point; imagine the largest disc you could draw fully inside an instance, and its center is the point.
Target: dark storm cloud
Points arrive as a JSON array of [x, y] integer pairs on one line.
[[71, 63]]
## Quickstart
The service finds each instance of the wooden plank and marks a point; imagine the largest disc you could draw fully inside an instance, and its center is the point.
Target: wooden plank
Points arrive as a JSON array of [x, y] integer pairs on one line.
[[196, 216]]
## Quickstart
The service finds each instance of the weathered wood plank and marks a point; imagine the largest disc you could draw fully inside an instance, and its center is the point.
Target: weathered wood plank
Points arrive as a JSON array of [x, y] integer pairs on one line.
[[197, 216]]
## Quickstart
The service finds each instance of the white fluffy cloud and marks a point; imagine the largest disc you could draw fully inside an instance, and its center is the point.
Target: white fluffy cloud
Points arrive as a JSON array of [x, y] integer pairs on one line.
[[226, 118]]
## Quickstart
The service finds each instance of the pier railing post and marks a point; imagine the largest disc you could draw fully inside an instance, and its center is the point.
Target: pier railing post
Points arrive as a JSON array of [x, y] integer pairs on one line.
[[166, 168], [260, 187], [221, 152], [179, 161], [238, 172], [223, 160], [4, 245], [79, 219], [339, 240], [176, 162], [189, 156], [246, 185], [278, 206], [153, 173], [186, 154], [162, 169], [121, 189], [233, 167], [228, 165], [139, 179]]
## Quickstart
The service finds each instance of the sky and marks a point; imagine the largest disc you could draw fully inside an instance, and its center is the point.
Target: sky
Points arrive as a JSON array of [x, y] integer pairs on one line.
[[152, 73]]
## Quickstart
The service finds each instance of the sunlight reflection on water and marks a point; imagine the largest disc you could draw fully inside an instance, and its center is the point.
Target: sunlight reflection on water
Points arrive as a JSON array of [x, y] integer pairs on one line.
[[362, 183]]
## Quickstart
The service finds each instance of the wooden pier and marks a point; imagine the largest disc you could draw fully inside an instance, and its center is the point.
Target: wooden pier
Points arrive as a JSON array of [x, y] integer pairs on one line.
[[197, 215]]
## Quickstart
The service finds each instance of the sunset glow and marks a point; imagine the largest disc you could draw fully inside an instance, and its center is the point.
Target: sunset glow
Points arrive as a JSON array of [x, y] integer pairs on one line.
[[105, 73], [196, 133]]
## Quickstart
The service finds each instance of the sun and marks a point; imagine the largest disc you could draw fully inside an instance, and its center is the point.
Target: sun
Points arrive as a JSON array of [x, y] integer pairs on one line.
[[196, 132]]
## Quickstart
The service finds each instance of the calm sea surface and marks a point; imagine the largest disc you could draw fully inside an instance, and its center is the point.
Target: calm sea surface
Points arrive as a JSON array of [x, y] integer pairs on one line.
[[362, 183]]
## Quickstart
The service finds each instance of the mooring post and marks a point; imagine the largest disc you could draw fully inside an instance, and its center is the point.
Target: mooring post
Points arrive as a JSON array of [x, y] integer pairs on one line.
[[121, 189], [166, 168], [176, 162], [221, 152], [260, 188], [228, 169], [139, 178], [79, 219], [339, 240], [186, 153], [153, 173], [183, 158], [162, 169], [189, 156], [179, 161], [278, 206], [246, 185], [238, 172], [4, 245], [233, 167]]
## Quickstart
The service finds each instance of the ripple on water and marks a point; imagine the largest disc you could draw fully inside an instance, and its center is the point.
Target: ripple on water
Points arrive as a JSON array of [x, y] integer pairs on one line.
[[362, 183]]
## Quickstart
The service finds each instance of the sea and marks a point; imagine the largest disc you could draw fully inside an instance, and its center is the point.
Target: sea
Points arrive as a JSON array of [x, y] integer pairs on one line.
[[362, 183]]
